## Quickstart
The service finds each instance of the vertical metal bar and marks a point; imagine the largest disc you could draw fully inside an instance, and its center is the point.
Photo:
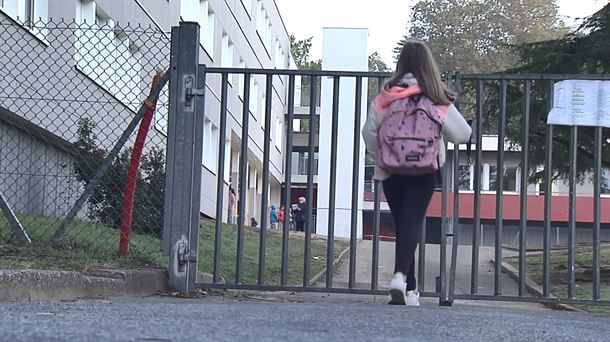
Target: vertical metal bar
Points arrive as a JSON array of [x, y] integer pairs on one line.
[[548, 188], [525, 125], [456, 199], [455, 219], [572, 219], [376, 223], [421, 264], [288, 180], [310, 173], [243, 178], [443, 246], [265, 198], [330, 238], [355, 183], [182, 161], [220, 193], [474, 271], [597, 170], [500, 190], [197, 169]]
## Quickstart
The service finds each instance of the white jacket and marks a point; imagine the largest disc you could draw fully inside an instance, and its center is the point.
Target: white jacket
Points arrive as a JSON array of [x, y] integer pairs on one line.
[[455, 130]]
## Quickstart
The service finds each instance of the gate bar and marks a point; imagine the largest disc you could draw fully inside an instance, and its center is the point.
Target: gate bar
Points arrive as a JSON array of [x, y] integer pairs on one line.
[[313, 101], [376, 223], [597, 170], [474, 271], [548, 188], [265, 199], [355, 183], [287, 181], [499, 190], [421, 264], [330, 231], [572, 223], [443, 242], [524, 182], [220, 192], [243, 175], [456, 200]]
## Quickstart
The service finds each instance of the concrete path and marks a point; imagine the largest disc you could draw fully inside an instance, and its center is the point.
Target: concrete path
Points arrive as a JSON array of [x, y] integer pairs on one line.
[[432, 263]]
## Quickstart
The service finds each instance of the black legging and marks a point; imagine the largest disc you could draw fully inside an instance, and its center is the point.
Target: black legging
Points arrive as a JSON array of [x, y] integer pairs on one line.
[[408, 198]]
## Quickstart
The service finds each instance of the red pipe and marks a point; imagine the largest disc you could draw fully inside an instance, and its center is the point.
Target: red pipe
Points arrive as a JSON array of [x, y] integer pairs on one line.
[[132, 175]]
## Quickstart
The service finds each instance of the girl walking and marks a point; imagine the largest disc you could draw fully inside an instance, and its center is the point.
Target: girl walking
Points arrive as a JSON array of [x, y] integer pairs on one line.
[[406, 129]]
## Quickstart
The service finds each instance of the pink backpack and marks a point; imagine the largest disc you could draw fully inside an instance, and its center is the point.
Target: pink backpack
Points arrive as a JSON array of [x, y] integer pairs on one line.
[[410, 137]]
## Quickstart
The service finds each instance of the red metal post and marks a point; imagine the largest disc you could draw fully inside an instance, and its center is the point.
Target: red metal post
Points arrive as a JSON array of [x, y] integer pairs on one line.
[[132, 175]]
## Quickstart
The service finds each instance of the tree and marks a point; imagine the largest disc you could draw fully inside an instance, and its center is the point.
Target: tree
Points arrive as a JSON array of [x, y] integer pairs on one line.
[[583, 51], [375, 64], [473, 36]]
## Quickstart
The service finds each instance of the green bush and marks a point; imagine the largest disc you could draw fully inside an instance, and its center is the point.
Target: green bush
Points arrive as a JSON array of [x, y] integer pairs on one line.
[[106, 201]]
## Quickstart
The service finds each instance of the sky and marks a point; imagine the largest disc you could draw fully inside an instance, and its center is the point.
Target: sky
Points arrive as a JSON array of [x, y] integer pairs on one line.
[[385, 19]]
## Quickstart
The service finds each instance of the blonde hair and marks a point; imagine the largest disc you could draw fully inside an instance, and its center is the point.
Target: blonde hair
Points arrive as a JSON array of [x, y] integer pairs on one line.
[[416, 58]]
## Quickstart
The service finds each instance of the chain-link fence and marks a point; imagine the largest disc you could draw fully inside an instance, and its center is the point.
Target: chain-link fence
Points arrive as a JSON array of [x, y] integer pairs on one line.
[[68, 92]]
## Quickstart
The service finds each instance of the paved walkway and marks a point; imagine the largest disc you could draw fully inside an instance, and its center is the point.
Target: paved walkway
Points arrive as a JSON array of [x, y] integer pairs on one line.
[[432, 262]]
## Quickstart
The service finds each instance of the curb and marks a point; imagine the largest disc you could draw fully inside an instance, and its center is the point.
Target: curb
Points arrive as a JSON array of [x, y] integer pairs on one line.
[[322, 273], [535, 289], [42, 285]]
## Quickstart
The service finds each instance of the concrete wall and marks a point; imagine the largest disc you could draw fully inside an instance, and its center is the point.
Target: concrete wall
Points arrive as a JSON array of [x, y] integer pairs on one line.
[[343, 49]]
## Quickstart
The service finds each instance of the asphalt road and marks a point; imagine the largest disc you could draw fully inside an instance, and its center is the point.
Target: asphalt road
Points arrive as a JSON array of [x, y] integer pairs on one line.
[[314, 318]]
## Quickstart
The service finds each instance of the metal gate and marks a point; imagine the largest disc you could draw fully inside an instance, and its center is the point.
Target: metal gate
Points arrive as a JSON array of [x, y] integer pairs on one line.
[[489, 98]]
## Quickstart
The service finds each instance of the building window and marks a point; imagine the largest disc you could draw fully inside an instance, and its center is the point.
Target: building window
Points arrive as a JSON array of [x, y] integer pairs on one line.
[[32, 14], [510, 179], [241, 79], [493, 176], [300, 163], [207, 37], [107, 55], [210, 145], [464, 176], [605, 180], [253, 105], [263, 25], [279, 132], [248, 6], [199, 11], [263, 115], [226, 56]]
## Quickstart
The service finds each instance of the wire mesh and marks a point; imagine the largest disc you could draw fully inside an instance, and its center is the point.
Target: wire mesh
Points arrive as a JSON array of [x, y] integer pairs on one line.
[[68, 90]]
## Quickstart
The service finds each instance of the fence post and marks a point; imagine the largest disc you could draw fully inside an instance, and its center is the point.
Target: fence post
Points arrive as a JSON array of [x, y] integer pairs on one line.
[[180, 230]]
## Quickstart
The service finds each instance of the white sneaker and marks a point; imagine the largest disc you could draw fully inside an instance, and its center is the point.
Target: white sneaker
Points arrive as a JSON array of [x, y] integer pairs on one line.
[[398, 289], [412, 298]]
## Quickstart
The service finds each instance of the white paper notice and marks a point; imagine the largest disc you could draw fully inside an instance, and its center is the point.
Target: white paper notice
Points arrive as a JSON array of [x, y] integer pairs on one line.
[[581, 103]]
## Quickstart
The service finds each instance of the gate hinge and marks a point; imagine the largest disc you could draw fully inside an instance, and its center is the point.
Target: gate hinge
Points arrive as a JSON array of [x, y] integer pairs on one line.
[[190, 91]]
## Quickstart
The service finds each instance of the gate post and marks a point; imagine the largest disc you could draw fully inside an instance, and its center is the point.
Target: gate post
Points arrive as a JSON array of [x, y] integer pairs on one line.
[[183, 168]]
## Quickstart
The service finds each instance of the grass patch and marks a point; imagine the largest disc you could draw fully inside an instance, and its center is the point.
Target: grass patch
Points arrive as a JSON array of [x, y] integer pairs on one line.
[[583, 273], [85, 244], [273, 254], [88, 245]]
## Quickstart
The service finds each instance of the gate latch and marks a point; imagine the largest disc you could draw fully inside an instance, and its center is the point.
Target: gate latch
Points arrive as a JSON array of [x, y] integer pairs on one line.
[[190, 91], [184, 255]]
